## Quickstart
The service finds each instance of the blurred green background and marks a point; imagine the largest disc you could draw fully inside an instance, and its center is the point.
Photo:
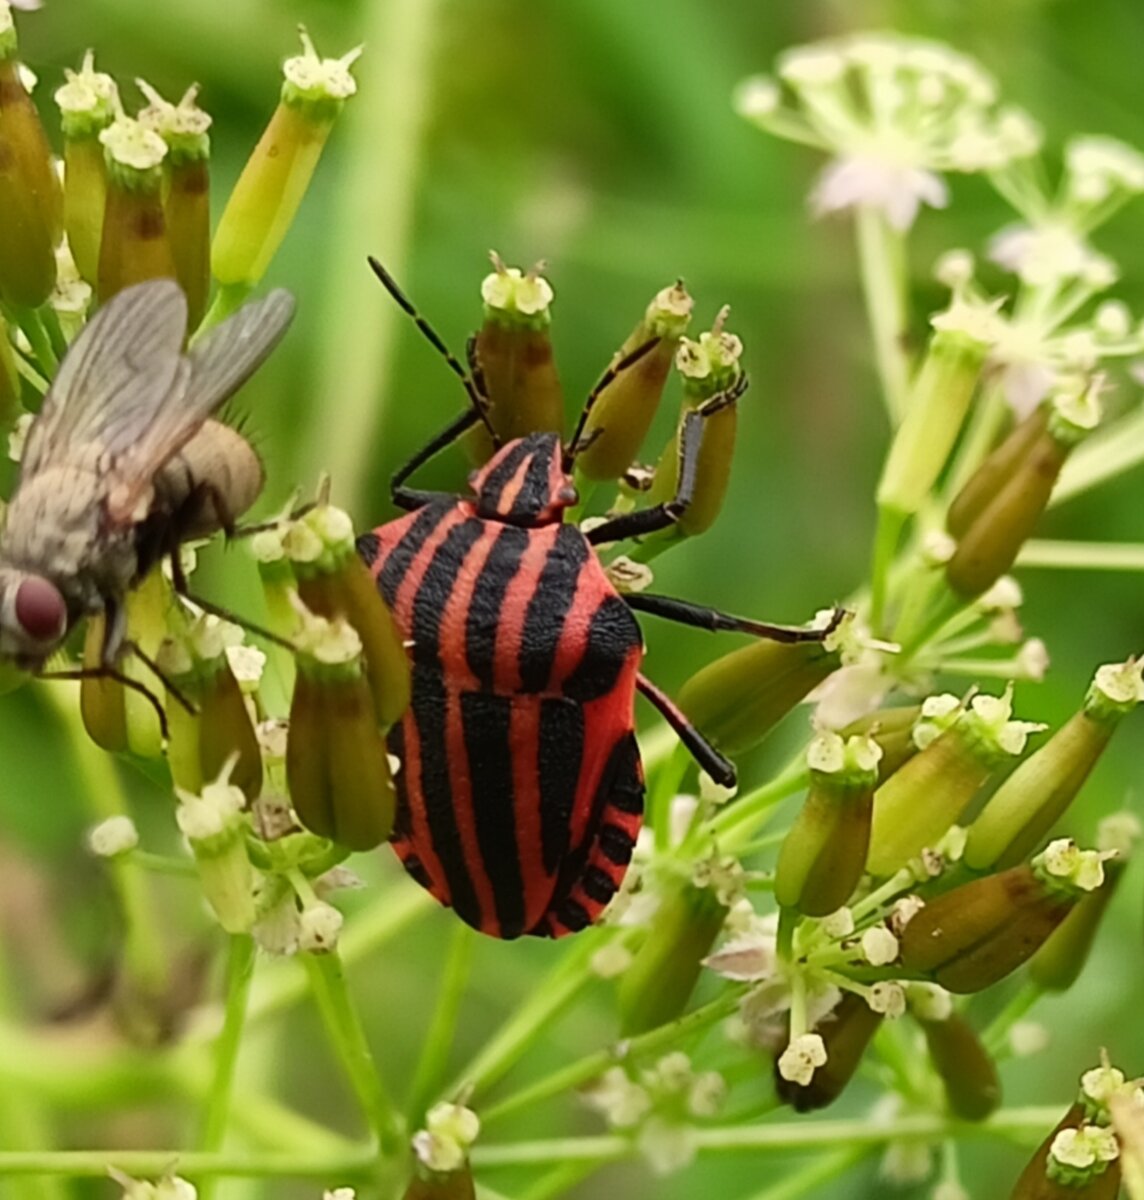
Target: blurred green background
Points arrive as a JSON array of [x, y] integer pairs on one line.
[[598, 135]]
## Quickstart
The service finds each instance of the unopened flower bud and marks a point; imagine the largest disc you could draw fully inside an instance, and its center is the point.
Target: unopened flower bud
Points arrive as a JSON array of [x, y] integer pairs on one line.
[[170, 1187], [214, 824], [739, 698], [915, 807], [939, 400], [266, 197], [844, 1034], [88, 102], [972, 1085], [824, 854], [1034, 797], [31, 204], [115, 836], [623, 412], [333, 581], [441, 1155], [891, 729], [710, 370], [336, 764], [656, 987], [134, 245], [973, 935], [318, 928], [1001, 503], [183, 127], [1077, 1161]]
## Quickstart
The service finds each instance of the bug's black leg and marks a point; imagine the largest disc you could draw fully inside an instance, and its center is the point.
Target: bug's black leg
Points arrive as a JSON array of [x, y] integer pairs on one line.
[[111, 673], [722, 771], [413, 498], [164, 679], [576, 443], [662, 516], [702, 617]]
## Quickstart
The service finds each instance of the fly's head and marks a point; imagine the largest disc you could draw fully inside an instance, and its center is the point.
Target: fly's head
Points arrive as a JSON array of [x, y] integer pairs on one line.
[[33, 618], [525, 483]]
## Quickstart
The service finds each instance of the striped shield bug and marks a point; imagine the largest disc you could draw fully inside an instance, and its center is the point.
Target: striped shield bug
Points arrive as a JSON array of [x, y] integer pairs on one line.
[[520, 793]]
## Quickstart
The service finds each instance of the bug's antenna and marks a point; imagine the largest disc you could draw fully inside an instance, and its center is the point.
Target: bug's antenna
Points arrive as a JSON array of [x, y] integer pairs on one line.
[[578, 442], [476, 395]]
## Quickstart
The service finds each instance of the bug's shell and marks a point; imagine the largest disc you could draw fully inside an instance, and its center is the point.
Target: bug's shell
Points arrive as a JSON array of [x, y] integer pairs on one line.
[[520, 792]]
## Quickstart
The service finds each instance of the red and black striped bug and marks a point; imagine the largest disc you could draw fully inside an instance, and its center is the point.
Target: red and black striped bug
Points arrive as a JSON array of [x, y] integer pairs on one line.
[[520, 792]]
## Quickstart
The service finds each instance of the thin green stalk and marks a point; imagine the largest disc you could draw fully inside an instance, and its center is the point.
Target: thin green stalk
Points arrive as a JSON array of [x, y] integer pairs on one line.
[[382, 140], [352, 1166], [996, 1036], [530, 1021], [566, 1176], [32, 324], [1108, 453], [344, 1027], [163, 864], [438, 1042], [882, 264], [736, 824], [889, 530], [1082, 556], [821, 1171], [239, 972], [664, 788], [589, 1067]]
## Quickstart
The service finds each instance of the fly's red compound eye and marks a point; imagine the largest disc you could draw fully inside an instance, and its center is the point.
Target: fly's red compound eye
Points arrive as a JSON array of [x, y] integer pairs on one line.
[[40, 609]]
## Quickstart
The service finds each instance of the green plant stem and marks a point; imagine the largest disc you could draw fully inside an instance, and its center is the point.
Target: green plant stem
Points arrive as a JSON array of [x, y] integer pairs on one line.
[[995, 1037], [736, 824], [663, 790], [881, 261], [163, 864], [887, 533], [822, 1170], [530, 1021], [382, 140], [1082, 556], [439, 1037], [565, 1177], [1108, 453], [32, 324], [239, 972], [350, 1166], [344, 1027], [595, 1064]]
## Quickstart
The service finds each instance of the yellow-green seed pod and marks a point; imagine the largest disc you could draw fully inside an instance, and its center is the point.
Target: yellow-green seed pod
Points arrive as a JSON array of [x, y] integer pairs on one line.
[[1058, 963], [101, 701], [939, 399], [215, 826], [440, 1151], [333, 581], [845, 1032], [187, 204], [967, 1070], [824, 854], [265, 200], [973, 935], [1025, 807], [739, 698], [514, 352], [134, 246], [336, 765], [893, 731], [656, 987], [623, 411], [88, 102], [919, 803], [453, 1185], [1077, 1161], [990, 544], [31, 203], [149, 607], [708, 367]]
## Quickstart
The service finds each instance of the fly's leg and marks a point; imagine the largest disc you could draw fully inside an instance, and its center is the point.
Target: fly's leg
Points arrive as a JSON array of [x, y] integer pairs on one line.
[[112, 673]]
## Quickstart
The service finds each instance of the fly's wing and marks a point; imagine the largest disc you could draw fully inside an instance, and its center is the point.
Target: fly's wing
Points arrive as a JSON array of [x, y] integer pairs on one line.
[[218, 364], [114, 381]]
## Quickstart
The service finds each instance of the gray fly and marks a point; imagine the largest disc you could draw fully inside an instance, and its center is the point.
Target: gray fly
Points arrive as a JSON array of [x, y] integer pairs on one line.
[[123, 462]]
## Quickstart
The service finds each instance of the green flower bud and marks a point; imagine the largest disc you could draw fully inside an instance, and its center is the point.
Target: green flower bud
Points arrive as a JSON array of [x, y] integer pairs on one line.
[[187, 205], [972, 1085], [266, 198], [1059, 962], [215, 826], [892, 729], [915, 807], [656, 987], [336, 764], [31, 204], [88, 103], [844, 1034], [333, 581], [994, 535], [135, 245], [970, 937], [739, 698], [708, 367], [221, 730], [824, 855], [623, 412], [1026, 806], [939, 400]]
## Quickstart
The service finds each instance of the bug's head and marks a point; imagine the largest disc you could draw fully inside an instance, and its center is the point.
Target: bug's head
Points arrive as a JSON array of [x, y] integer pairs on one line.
[[525, 483], [33, 618]]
